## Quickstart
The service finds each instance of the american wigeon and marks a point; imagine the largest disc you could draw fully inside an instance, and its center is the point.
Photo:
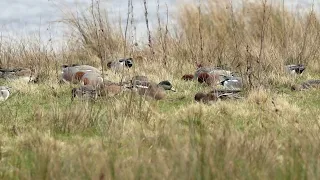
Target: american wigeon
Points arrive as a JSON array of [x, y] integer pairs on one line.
[[209, 79], [307, 85], [110, 89], [91, 78], [188, 77], [215, 95], [232, 82], [85, 92], [206, 98], [208, 75], [24, 74], [295, 68], [139, 81], [212, 70], [4, 93], [74, 72], [156, 91], [120, 64]]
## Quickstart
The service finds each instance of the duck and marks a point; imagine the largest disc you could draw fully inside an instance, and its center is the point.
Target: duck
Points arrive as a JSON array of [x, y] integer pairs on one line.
[[89, 78], [232, 82], [120, 64], [208, 79], [84, 92], [24, 74], [315, 83], [155, 91], [215, 95], [69, 73], [4, 93], [206, 98], [295, 68], [139, 81], [188, 77], [110, 89], [207, 74], [212, 70]]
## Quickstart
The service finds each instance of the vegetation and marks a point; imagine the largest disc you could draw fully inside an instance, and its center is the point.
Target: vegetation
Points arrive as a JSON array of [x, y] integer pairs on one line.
[[272, 133]]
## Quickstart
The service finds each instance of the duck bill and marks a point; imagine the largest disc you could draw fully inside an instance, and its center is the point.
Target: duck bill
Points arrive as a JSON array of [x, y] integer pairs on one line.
[[173, 89]]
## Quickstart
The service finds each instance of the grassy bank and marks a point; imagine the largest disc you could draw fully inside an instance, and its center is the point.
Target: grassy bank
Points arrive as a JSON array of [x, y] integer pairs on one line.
[[270, 134]]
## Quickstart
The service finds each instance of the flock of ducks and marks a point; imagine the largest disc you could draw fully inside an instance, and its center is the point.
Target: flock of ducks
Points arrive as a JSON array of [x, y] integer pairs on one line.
[[93, 85], [232, 84]]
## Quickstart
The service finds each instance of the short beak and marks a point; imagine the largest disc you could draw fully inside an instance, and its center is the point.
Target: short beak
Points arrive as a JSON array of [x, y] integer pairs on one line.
[[172, 89]]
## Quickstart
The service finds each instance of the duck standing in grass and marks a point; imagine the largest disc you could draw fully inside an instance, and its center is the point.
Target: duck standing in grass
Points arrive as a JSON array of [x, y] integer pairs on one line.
[[120, 64], [4, 93], [307, 85]]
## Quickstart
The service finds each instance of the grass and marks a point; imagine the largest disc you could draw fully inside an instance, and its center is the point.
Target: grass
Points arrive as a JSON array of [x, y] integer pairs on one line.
[[270, 134]]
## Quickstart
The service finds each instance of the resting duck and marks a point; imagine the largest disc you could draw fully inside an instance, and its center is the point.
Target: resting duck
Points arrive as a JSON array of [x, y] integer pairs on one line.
[[232, 82], [215, 95], [75, 72], [212, 71], [110, 89], [295, 68], [85, 92], [4, 93], [188, 77], [307, 85], [153, 90], [89, 78], [208, 75], [139, 81], [106, 89], [120, 64], [25, 74]]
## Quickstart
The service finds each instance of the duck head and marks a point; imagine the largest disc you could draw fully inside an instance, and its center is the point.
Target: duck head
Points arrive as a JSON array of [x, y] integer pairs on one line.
[[300, 68], [199, 96], [205, 98], [187, 77], [128, 62], [208, 79], [109, 64], [166, 85], [5, 88], [203, 77]]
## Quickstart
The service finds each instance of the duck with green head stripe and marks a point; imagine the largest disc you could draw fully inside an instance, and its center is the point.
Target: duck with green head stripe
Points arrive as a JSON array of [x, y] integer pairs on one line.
[[151, 89]]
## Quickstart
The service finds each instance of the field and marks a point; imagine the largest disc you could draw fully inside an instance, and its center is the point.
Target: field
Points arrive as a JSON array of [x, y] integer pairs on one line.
[[273, 133]]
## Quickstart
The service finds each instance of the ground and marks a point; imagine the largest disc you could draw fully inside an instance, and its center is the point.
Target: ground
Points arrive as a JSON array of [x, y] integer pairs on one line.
[[268, 134]]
